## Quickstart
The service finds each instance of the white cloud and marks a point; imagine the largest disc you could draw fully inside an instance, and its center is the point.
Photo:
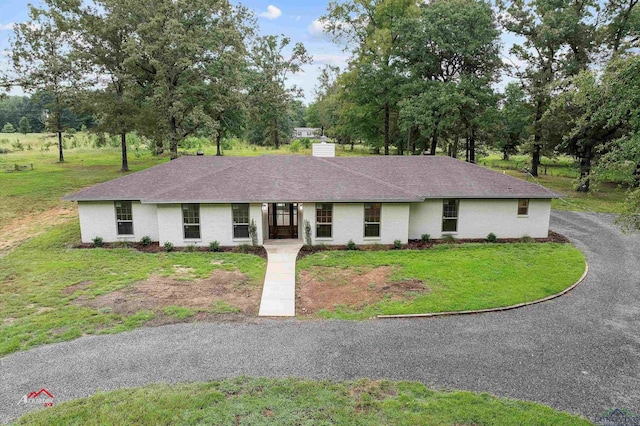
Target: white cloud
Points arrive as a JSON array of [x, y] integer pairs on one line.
[[316, 28], [330, 59], [6, 27], [271, 13]]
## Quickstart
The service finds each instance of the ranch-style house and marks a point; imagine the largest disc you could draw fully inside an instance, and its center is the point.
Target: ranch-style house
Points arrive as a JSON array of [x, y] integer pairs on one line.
[[378, 199]]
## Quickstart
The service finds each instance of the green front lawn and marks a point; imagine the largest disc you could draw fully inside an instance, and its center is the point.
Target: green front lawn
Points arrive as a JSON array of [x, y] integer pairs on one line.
[[457, 277], [35, 308], [247, 401]]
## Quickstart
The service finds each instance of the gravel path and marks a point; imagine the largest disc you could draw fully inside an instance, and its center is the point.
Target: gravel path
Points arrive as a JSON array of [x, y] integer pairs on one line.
[[579, 353]]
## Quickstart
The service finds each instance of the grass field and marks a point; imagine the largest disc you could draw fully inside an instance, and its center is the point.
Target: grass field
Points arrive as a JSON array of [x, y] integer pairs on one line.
[[36, 310], [561, 175], [457, 277], [249, 401]]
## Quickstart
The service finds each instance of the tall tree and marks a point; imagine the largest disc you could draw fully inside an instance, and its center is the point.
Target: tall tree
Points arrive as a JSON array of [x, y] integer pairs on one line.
[[40, 56], [514, 120], [369, 30], [176, 47], [558, 41], [24, 125], [270, 95]]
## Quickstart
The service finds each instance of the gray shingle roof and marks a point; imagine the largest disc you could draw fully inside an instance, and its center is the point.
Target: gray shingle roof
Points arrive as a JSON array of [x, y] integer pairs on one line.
[[278, 178]]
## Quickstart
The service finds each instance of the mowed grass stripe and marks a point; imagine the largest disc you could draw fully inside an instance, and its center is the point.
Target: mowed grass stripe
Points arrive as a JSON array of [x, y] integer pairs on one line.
[[461, 277]]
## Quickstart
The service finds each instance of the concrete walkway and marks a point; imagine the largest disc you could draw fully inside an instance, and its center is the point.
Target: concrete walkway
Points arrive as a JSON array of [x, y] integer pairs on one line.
[[279, 291]]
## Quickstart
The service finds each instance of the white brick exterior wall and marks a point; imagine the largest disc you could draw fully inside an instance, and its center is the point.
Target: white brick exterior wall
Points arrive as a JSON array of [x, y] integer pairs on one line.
[[215, 225], [98, 219], [399, 221], [348, 224], [477, 218]]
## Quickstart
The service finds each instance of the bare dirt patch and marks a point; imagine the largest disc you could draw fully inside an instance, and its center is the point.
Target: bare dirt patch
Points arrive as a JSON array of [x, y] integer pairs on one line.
[[21, 229], [157, 292], [325, 288], [68, 291]]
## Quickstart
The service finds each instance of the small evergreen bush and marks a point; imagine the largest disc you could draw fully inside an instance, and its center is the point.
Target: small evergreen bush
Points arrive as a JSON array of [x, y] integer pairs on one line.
[[190, 248], [253, 233], [397, 244], [168, 246], [491, 238], [425, 238], [527, 239], [307, 233], [351, 245], [97, 242], [214, 246], [145, 241]]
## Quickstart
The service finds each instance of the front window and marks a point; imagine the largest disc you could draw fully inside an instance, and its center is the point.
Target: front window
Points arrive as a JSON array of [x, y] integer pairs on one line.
[[240, 220], [450, 216], [124, 217], [324, 220], [372, 220], [523, 207], [191, 221]]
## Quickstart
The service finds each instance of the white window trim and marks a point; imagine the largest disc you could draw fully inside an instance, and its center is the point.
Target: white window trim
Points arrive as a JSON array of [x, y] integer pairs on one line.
[[457, 217], [365, 223], [324, 223], [115, 208], [518, 208], [184, 238], [233, 224]]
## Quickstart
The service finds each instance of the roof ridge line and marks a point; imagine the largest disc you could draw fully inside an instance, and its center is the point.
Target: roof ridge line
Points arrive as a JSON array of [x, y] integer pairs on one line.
[[324, 160], [156, 194]]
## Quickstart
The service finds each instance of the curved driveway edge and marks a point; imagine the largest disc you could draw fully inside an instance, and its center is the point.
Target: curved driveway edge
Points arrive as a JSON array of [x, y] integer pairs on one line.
[[499, 309], [579, 353]]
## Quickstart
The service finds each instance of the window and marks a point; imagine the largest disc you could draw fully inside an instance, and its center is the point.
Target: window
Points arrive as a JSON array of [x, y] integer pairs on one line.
[[372, 219], [450, 216], [240, 220], [191, 221], [523, 207], [124, 217], [324, 220]]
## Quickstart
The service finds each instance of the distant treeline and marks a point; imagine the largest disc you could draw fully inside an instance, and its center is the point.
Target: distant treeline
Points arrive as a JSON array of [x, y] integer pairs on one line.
[[13, 108]]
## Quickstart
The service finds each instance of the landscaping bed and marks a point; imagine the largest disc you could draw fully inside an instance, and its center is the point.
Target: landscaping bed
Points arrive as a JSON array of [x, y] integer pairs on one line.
[[445, 278], [157, 248], [295, 401]]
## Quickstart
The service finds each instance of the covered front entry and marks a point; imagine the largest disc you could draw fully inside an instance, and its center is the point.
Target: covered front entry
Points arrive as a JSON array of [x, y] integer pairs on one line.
[[283, 220]]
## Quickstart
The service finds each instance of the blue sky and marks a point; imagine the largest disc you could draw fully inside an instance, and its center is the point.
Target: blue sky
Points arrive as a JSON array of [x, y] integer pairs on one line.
[[294, 18]]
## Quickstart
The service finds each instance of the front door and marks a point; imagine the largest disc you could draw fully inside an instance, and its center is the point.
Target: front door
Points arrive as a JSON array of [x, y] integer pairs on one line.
[[283, 220]]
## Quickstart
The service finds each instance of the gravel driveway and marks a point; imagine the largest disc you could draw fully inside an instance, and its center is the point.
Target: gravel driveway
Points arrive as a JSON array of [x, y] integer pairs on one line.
[[579, 353]]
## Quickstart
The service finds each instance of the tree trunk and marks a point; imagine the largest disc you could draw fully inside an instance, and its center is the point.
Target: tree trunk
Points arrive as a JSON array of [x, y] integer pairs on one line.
[[434, 142], [173, 138], [125, 160], [218, 140], [505, 153], [454, 151], [537, 138], [351, 140], [466, 147], [472, 146], [60, 146], [276, 136], [636, 176], [159, 148], [387, 113], [585, 169]]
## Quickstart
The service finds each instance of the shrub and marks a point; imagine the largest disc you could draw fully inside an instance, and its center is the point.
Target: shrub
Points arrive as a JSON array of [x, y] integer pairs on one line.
[[17, 145], [295, 146], [306, 143], [8, 128], [190, 248], [449, 239], [214, 246], [527, 239], [351, 245], [307, 233], [121, 244], [145, 241], [425, 238], [227, 144], [242, 248], [491, 238], [97, 242], [253, 233], [168, 246], [397, 244]]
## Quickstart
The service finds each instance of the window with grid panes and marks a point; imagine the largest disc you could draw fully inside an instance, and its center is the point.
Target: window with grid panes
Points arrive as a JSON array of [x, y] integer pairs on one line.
[[372, 219], [324, 220], [124, 217], [523, 207], [191, 221], [240, 220], [450, 216]]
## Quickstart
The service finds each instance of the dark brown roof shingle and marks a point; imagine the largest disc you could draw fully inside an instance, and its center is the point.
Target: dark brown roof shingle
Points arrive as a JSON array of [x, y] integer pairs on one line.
[[278, 178]]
